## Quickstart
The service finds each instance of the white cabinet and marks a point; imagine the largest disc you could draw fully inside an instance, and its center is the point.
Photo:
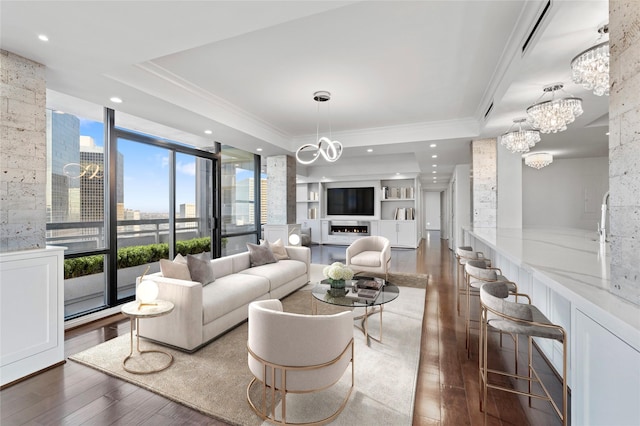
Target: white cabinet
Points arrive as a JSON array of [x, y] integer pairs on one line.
[[31, 312], [401, 233]]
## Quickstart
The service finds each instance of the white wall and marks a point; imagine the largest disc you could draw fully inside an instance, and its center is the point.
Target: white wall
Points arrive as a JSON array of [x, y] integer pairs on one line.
[[567, 193], [445, 214], [509, 189], [431, 208], [460, 204]]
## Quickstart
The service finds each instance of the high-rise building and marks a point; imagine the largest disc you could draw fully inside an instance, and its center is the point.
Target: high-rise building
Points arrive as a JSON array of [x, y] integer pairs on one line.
[[92, 180], [63, 164]]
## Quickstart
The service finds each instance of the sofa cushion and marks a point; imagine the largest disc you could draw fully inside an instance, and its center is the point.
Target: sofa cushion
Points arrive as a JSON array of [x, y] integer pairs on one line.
[[260, 254], [177, 268], [366, 258], [229, 293], [201, 268], [279, 273]]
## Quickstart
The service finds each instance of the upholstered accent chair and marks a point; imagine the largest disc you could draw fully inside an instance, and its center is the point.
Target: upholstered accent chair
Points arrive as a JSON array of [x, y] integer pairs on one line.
[[369, 254], [295, 353], [518, 319], [478, 273]]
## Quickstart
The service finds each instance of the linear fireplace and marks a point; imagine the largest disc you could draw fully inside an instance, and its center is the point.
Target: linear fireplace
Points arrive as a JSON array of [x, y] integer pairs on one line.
[[349, 227]]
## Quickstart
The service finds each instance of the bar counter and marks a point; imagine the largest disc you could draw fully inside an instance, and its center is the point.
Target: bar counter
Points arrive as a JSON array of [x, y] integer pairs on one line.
[[566, 273]]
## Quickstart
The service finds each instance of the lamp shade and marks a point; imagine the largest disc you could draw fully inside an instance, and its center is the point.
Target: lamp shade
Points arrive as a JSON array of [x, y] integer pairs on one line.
[[147, 291]]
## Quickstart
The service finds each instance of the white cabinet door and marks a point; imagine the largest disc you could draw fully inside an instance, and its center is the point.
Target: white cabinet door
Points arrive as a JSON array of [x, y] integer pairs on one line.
[[406, 233], [400, 233], [388, 229]]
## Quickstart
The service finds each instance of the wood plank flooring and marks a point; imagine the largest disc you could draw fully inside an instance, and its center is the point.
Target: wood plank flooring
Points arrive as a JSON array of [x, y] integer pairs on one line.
[[447, 387]]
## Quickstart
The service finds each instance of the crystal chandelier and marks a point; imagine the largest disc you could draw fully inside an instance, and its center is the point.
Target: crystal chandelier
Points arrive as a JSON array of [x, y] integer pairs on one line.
[[519, 140], [590, 68], [538, 160], [326, 148], [553, 116]]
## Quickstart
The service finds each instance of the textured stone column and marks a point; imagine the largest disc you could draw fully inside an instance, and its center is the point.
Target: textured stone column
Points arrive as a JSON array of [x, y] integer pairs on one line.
[[624, 148], [281, 190], [485, 182], [23, 154], [509, 188]]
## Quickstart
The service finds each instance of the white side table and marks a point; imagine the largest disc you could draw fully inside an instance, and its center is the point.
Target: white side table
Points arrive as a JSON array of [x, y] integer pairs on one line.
[[135, 311]]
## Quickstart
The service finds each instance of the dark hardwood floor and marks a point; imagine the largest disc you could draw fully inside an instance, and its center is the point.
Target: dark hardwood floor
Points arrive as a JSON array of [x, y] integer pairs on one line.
[[447, 387]]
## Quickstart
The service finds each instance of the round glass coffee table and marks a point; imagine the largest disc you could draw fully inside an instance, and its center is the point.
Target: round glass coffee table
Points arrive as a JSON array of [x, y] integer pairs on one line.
[[349, 297]]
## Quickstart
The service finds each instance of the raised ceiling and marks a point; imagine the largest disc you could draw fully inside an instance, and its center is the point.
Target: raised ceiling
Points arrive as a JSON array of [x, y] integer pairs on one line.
[[403, 75]]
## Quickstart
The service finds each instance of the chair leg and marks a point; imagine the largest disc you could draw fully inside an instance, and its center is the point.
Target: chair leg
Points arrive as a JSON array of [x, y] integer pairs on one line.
[[565, 420], [481, 354], [530, 362], [468, 316]]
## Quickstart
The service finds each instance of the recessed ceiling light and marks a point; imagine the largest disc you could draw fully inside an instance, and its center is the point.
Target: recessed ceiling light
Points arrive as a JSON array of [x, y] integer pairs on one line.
[[208, 132], [369, 150], [259, 149], [434, 171], [434, 156], [43, 37], [607, 133], [115, 100], [434, 165], [397, 173], [433, 145]]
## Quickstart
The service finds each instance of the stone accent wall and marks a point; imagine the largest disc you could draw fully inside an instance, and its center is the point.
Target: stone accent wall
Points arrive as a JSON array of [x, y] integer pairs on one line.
[[23, 148], [485, 182], [624, 148], [281, 190]]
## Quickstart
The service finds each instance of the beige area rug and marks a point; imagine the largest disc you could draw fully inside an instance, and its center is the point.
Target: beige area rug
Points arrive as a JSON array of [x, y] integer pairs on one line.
[[214, 379]]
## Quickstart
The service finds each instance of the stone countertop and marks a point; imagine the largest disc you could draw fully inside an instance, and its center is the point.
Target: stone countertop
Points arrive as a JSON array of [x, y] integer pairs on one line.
[[573, 263]]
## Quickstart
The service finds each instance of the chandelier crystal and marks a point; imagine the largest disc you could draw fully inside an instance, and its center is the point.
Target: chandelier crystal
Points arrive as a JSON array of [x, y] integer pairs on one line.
[[538, 160], [326, 148], [590, 68], [553, 116], [519, 140]]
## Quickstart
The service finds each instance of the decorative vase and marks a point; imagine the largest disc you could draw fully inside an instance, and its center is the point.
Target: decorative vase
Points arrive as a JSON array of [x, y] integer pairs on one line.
[[337, 283], [337, 292]]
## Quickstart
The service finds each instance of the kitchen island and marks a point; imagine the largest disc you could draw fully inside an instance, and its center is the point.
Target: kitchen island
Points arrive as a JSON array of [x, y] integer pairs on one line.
[[566, 273]]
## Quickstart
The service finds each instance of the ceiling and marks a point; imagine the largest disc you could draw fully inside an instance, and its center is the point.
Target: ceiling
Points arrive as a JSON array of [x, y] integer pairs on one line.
[[403, 74]]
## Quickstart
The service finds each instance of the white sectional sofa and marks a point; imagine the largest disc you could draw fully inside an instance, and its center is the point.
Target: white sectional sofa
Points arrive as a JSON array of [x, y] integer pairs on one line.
[[202, 313]]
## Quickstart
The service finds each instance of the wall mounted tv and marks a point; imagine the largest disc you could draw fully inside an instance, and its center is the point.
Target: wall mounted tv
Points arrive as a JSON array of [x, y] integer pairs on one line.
[[350, 201]]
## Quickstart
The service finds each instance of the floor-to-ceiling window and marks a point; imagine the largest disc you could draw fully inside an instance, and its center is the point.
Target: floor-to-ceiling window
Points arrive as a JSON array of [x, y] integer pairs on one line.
[[120, 203], [76, 219], [240, 199]]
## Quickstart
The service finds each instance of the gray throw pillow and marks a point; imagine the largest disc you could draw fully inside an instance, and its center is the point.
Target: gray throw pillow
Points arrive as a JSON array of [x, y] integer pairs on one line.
[[201, 268], [177, 270], [260, 254]]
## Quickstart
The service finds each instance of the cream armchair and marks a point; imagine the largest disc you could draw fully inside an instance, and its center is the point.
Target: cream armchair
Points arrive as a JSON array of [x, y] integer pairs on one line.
[[305, 353], [369, 254]]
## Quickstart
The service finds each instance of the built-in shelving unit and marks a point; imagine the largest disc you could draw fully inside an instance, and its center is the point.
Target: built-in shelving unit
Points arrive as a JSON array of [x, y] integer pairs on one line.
[[396, 212]]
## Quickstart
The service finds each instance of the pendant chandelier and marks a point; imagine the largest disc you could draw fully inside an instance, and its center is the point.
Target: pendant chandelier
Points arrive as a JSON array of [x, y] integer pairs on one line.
[[590, 68], [326, 148], [552, 116], [538, 160], [519, 140]]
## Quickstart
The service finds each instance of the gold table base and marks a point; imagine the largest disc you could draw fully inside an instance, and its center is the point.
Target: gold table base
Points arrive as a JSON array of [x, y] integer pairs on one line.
[[140, 353]]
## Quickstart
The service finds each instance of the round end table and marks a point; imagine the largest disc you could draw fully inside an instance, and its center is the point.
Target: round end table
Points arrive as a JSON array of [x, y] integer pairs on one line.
[[136, 311]]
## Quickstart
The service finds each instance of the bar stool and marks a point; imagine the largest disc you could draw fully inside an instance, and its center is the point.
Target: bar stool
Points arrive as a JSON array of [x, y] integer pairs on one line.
[[478, 273], [518, 319], [463, 255]]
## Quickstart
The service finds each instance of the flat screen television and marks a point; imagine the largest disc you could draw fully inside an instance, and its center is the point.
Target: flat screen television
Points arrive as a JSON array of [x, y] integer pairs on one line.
[[350, 201]]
